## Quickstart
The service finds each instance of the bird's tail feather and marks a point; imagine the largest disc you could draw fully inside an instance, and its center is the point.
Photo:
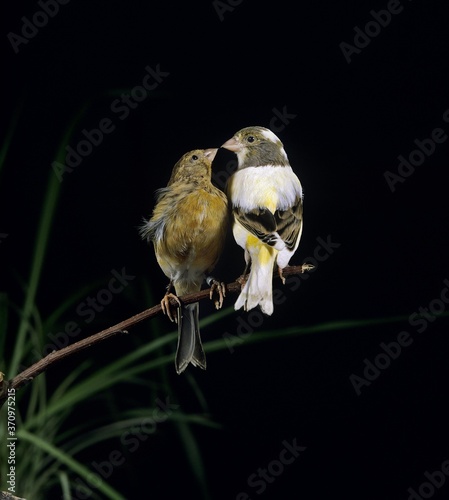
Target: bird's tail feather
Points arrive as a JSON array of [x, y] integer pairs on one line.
[[190, 348], [258, 290]]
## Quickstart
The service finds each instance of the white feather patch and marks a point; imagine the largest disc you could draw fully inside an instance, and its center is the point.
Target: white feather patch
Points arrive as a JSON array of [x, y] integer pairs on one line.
[[258, 290], [271, 186], [270, 135]]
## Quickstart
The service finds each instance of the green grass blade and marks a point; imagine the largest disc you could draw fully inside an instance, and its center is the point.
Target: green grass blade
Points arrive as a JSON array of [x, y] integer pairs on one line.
[[96, 384], [329, 326], [63, 387], [11, 129], [73, 299], [42, 237], [3, 325], [35, 418], [75, 466], [65, 486], [36, 268], [197, 391], [119, 371], [193, 455], [217, 316]]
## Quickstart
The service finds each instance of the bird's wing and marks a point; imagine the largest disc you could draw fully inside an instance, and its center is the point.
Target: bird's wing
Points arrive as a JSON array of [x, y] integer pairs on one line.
[[259, 221], [269, 227], [153, 229], [289, 223]]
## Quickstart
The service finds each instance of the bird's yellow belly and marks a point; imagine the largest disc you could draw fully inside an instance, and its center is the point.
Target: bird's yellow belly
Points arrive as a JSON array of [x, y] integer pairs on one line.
[[195, 242], [253, 245], [257, 248]]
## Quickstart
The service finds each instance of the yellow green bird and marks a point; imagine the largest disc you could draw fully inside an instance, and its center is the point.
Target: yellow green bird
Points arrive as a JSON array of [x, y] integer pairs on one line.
[[188, 230]]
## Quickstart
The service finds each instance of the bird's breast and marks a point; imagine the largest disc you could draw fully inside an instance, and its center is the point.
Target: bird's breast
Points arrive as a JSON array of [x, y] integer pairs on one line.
[[194, 233], [271, 187]]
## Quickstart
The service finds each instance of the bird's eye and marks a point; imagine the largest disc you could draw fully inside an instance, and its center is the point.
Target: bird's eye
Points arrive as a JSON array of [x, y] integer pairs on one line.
[[194, 157], [250, 138]]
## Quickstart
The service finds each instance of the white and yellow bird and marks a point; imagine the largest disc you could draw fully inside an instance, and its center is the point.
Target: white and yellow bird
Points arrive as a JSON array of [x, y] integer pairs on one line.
[[267, 204]]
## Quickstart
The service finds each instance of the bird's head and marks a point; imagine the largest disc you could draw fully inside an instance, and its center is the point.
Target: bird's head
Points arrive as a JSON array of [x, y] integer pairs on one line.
[[257, 147], [194, 166]]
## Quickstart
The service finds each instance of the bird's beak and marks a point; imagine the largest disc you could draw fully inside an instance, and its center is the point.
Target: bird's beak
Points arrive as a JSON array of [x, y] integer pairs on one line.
[[232, 145], [210, 153]]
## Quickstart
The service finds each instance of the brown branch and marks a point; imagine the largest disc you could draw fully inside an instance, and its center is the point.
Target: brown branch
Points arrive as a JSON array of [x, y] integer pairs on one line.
[[43, 364]]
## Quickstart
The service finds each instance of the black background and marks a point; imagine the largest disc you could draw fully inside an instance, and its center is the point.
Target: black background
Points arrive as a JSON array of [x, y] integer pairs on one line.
[[347, 124]]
